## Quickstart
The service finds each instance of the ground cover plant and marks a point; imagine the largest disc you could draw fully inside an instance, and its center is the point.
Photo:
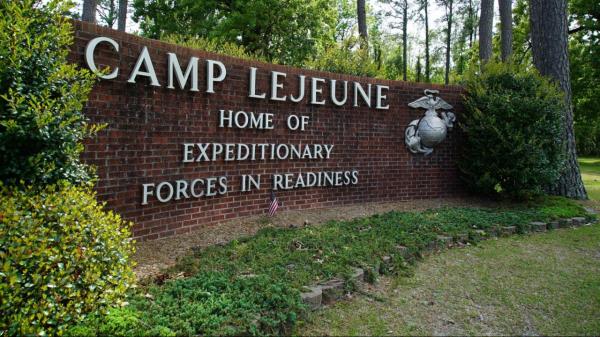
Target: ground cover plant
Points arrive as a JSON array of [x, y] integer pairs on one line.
[[291, 258], [526, 285]]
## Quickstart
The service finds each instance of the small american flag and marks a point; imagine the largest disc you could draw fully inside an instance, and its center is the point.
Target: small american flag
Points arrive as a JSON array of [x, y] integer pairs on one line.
[[274, 204]]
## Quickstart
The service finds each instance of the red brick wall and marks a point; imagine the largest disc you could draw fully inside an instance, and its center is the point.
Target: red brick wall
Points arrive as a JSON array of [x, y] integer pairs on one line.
[[147, 125]]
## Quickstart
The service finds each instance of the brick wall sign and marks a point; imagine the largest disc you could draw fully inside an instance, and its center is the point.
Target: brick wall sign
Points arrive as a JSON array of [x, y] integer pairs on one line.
[[196, 138]]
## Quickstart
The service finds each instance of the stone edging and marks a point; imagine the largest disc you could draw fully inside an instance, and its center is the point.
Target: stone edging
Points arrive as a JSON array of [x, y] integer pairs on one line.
[[329, 292]]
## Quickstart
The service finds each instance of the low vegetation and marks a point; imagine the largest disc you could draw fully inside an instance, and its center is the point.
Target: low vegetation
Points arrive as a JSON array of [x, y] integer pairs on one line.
[[262, 270]]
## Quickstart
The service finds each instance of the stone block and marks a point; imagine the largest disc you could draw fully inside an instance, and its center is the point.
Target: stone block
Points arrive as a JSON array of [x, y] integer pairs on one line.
[[553, 225], [461, 238], [404, 252], [358, 275], [508, 230], [445, 241], [312, 297], [564, 223], [538, 226], [578, 221], [332, 291], [495, 231], [479, 234]]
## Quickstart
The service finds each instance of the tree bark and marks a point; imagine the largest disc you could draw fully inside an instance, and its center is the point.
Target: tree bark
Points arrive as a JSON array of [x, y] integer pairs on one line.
[[448, 40], [362, 23], [506, 35], [427, 65], [404, 40], [418, 70], [471, 24], [88, 12], [122, 17], [549, 37], [486, 22]]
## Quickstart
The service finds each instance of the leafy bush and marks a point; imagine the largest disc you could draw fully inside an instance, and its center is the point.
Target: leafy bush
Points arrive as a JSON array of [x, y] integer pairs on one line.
[[342, 59], [215, 46], [41, 95], [514, 126], [62, 257]]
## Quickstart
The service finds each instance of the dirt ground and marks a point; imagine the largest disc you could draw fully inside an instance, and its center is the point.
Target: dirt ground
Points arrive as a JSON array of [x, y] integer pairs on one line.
[[153, 256]]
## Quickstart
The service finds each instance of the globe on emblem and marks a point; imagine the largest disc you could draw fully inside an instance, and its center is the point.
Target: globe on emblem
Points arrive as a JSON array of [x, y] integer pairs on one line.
[[421, 135], [432, 130]]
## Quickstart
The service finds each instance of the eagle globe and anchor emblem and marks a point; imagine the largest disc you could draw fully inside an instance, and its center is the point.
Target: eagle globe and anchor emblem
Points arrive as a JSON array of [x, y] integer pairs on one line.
[[421, 135]]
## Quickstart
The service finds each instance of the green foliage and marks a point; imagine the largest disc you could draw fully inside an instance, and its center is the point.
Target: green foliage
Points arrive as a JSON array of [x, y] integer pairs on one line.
[[342, 59], [211, 303], [62, 258], [41, 95], [585, 82], [287, 31], [513, 125], [123, 321], [215, 303], [215, 46]]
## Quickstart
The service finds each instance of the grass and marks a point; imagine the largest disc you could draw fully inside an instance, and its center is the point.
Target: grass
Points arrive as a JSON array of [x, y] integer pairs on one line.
[[590, 172], [545, 284]]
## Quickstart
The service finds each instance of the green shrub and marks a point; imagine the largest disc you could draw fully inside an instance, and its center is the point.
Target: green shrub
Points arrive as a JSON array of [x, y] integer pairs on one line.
[[215, 46], [514, 131], [62, 257], [342, 59], [217, 303], [41, 95]]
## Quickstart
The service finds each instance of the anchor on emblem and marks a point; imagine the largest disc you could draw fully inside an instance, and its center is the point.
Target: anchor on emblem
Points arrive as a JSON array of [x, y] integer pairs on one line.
[[421, 135]]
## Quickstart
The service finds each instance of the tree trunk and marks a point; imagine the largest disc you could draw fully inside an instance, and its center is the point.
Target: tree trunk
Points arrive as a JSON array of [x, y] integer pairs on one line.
[[404, 40], [506, 35], [418, 70], [122, 20], [448, 40], [549, 37], [427, 65], [88, 12], [486, 23], [362, 23], [471, 24]]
